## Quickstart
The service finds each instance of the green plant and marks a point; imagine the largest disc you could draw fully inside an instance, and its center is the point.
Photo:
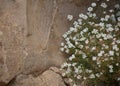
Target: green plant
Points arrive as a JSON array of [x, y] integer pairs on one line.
[[93, 46]]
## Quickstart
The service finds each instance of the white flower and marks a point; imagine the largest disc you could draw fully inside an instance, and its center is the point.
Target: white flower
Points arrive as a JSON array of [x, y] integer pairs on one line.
[[62, 44], [97, 74], [81, 15], [67, 50], [117, 64], [75, 29], [64, 65], [74, 85], [75, 23], [63, 74], [106, 46], [111, 10], [86, 70], [95, 31], [69, 17], [85, 17], [94, 14], [93, 4], [104, 5], [65, 46], [72, 29], [86, 41], [68, 70], [70, 80], [80, 21], [93, 48], [76, 43], [69, 64], [73, 64], [84, 56], [94, 58], [102, 19], [82, 39], [74, 38], [79, 77], [71, 57], [107, 17], [76, 70], [80, 71], [101, 39], [118, 41], [98, 62], [101, 73], [118, 13], [108, 25], [111, 58], [101, 53], [104, 12], [115, 47], [110, 66], [92, 76], [65, 35], [84, 78], [89, 14], [118, 18], [113, 18], [85, 30], [111, 53], [118, 79], [117, 6], [89, 71], [91, 23], [111, 70], [117, 54], [101, 24], [90, 9], [110, 29], [62, 49], [98, 35], [81, 46], [109, 36]]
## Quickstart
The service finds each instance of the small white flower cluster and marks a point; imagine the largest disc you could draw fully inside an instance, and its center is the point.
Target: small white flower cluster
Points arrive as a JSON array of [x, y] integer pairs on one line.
[[69, 17], [104, 5], [93, 45]]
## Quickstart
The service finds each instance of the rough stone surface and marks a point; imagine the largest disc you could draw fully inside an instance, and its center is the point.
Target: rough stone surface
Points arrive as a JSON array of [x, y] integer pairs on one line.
[[46, 21], [12, 26], [48, 78], [30, 34]]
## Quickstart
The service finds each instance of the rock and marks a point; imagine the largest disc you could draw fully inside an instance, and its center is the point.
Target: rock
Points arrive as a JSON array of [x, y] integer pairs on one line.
[[56, 70], [12, 25], [51, 79], [48, 78], [47, 23], [30, 35]]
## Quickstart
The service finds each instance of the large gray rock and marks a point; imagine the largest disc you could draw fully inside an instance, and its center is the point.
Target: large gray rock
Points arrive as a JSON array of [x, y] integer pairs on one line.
[[46, 23], [12, 26], [31, 32]]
